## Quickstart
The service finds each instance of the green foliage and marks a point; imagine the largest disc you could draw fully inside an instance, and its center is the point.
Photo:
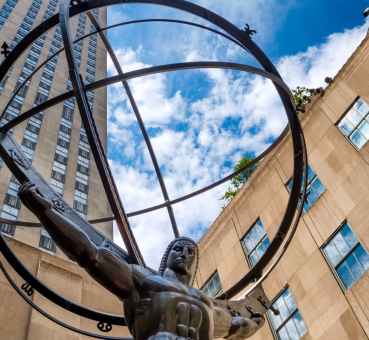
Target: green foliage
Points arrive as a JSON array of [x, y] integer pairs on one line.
[[240, 179], [302, 96]]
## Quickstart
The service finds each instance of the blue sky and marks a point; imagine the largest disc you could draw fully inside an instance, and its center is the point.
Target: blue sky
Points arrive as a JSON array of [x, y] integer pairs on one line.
[[202, 121]]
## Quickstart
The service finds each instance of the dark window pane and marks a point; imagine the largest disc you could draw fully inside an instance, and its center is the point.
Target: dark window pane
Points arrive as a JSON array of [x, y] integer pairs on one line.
[[362, 256], [13, 201], [349, 236], [213, 286], [47, 243], [345, 275]]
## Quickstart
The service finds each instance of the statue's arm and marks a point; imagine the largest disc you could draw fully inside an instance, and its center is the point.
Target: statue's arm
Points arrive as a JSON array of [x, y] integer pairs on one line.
[[111, 272], [233, 327]]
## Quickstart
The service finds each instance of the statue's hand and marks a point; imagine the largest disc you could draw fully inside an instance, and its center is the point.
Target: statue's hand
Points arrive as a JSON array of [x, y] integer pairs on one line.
[[245, 327], [32, 198]]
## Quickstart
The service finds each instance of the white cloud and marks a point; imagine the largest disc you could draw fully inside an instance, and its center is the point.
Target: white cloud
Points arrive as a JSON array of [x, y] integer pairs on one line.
[[193, 158], [309, 68], [150, 93]]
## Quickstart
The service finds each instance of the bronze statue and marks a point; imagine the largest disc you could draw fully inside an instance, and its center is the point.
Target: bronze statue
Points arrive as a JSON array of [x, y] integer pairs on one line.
[[158, 305]]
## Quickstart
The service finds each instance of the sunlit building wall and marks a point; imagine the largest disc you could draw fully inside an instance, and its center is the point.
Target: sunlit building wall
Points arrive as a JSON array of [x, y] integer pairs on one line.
[[321, 284], [56, 143]]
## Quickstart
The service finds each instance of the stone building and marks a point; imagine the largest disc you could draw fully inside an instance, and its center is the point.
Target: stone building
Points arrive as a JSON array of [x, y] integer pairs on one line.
[[321, 284], [56, 143]]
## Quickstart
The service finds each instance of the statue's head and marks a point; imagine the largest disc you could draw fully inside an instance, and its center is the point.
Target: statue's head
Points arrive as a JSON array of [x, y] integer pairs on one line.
[[181, 256]]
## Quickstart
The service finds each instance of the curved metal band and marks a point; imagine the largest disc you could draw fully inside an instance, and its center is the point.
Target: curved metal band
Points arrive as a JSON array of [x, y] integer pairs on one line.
[[141, 73], [141, 125], [245, 40], [168, 68], [155, 70], [247, 279], [53, 296], [50, 317], [103, 29], [94, 140]]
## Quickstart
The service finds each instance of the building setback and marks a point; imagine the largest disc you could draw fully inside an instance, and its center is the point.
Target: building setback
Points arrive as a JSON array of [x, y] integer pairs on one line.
[[56, 143], [321, 285]]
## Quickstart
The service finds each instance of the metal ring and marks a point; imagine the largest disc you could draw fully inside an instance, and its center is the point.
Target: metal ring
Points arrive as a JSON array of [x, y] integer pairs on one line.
[[250, 46], [50, 317]]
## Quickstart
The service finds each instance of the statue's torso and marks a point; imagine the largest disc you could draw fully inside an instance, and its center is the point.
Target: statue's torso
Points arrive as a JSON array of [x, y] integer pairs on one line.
[[164, 305]]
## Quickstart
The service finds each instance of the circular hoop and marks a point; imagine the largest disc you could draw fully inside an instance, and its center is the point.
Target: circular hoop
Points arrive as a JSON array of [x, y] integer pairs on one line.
[[293, 210]]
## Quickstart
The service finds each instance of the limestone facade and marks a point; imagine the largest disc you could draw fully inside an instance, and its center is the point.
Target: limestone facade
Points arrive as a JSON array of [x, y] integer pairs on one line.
[[328, 309]]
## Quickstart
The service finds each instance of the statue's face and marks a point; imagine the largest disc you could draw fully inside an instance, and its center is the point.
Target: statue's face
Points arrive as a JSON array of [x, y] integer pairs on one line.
[[181, 257]]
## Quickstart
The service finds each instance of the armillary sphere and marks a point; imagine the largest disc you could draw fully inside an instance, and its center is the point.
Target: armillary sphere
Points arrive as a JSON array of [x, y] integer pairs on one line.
[[22, 169]]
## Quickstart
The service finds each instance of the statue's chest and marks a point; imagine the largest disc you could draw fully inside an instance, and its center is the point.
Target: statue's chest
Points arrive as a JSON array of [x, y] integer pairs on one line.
[[176, 313], [169, 306]]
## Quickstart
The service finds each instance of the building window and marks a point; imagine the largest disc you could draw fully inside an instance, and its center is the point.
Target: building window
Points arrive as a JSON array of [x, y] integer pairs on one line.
[[255, 242], [46, 242], [213, 286], [8, 229], [288, 325], [346, 255], [58, 176], [12, 201], [80, 207], [355, 123], [314, 189], [81, 187]]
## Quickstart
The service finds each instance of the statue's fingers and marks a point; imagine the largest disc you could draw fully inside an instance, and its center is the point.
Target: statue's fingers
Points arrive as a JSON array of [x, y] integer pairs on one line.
[[183, 318], [195, 317]]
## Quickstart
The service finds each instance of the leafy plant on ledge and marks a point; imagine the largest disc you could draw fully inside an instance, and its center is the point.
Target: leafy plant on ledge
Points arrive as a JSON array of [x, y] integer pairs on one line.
[[302, 96], [240, 179]]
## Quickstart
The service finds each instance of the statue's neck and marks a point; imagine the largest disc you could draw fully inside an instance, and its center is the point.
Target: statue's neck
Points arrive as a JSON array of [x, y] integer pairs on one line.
[[171, 274]]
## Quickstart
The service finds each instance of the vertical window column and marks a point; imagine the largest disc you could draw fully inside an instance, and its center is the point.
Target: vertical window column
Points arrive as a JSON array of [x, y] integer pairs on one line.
[[6, 10], [60, 163], [23, 30], [30, 137], [80, 202], [10, 207]]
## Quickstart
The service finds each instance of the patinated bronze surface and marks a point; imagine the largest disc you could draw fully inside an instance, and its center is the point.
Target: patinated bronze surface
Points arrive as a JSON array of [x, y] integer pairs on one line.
[[158, 305]]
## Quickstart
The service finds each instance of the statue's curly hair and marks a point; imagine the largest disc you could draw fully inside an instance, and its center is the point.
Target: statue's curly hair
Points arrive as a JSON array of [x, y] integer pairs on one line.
[[164, 259]]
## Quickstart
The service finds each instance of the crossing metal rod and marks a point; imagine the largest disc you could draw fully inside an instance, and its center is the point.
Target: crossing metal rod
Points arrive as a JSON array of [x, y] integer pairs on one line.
[[94, 139], [103, 29], [157, 70], [141, 123], [243, 38]]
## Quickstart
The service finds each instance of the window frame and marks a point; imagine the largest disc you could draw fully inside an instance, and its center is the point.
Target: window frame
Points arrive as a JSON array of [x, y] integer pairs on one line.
[[308, 186], [45, 236], [347, 137], [248, 255], [296, 310], [220, 291], [333, 267]]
